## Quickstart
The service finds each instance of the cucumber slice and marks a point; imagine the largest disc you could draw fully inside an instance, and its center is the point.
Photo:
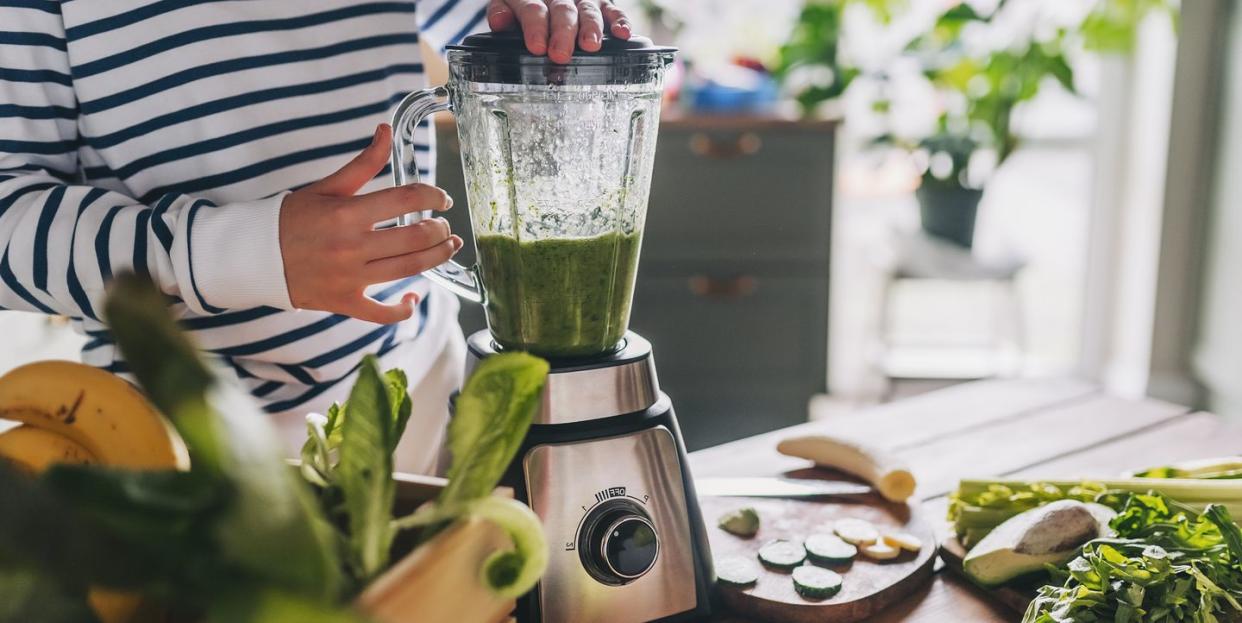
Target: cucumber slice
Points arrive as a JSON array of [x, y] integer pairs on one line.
[[856, 531], [782, 554], [816, 582], [829, 549], [743, 522], [736, 571]]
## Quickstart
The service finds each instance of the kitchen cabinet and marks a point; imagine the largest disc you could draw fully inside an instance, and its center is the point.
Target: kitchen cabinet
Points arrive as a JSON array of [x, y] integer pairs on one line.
[[733, 283]]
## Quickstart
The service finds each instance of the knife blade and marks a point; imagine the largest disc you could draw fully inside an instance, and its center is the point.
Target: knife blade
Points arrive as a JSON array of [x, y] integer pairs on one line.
[[777, 487]]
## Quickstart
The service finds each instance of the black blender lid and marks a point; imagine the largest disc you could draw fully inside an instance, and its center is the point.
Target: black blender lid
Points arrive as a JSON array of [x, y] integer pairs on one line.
[[512, 42]]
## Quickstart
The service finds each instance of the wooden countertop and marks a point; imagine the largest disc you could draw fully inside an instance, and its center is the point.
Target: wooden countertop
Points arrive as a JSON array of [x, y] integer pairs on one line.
[[1013, 428]]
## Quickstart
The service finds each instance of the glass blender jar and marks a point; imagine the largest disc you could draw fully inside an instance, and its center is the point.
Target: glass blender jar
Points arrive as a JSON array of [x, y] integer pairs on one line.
[[557, 162]]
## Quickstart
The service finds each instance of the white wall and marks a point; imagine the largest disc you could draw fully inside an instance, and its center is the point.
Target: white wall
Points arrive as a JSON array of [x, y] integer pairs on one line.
[[1217, 358]]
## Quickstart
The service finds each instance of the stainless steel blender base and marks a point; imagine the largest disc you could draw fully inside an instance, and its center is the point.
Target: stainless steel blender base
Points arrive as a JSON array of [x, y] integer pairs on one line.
[[604, 468], [568, 484], [613, 384]]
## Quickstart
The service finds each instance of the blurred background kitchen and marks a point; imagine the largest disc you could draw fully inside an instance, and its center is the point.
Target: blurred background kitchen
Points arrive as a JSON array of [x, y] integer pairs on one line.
[[859, 200]]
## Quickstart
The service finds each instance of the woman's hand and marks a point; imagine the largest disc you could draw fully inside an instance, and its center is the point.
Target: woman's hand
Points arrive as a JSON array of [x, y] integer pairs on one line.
[[332, 251], [553, 26]]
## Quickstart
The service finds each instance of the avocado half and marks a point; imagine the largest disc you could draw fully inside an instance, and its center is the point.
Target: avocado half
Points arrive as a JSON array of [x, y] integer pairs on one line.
[[1050, 534]]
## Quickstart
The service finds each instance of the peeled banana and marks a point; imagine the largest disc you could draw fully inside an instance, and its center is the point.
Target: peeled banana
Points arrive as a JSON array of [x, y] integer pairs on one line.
[[886, 473], [98, 411]]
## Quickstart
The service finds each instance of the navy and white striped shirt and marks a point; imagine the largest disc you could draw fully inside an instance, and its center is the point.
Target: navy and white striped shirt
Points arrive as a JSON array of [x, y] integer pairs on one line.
[[161, 136]]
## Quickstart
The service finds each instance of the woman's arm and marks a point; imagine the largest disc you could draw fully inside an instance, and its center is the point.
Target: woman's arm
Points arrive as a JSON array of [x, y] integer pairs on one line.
[[61, 241]]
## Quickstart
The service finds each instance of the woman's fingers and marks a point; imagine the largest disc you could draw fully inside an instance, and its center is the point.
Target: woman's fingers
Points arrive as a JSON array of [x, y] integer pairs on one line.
[[590, 25], [396, 241], [389, 203], [500, 16], [371, 310], [556, 27], [363, 168], [533, 17], [402, 266], [618, 24], [563, 33]]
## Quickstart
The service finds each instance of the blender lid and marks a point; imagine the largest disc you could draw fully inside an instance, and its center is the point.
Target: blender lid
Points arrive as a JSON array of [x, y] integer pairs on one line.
[[512, 42]]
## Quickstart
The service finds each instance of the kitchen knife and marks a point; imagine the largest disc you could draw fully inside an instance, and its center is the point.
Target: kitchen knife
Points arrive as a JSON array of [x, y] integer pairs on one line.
[[777, 487]]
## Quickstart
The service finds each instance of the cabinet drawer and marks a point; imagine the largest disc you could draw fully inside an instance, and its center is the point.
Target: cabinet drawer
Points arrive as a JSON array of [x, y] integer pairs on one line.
[[752, 350], [711, 198]]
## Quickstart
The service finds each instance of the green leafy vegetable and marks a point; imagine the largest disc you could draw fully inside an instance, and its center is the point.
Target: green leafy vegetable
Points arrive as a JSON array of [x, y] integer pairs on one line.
[[272, 526], [365, 470], [266, 605], [27, 595], [493, 412], [978, 506], [1168, 563]]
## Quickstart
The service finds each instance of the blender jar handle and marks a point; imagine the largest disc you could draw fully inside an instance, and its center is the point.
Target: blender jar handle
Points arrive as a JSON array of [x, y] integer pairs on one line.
[[415, 107]]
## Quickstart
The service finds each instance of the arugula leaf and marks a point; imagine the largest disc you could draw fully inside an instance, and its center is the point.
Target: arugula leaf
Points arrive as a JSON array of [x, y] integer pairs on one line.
[[273, 527], [493, 413], [1167, 564], [365, 470]]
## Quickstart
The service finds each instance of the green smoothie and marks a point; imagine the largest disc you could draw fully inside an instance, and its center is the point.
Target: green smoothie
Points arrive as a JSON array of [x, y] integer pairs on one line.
[[560, 298]]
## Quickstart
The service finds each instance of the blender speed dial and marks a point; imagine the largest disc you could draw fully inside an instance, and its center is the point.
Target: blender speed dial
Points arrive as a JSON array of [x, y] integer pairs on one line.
[[618, 543]]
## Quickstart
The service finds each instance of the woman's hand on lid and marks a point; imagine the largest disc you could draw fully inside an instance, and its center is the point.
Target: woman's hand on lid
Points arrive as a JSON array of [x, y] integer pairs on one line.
[[332, 251], [553, 27]]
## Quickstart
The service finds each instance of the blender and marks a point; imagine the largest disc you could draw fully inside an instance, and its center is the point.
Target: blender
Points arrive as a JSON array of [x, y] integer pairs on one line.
[[557, 162]]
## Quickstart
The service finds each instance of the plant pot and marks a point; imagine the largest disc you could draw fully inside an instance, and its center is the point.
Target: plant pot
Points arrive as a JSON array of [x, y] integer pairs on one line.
[[948, 211]]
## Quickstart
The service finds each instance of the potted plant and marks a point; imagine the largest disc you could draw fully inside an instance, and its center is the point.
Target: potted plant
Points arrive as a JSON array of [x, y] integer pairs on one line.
[[980, 87], [811, 67]]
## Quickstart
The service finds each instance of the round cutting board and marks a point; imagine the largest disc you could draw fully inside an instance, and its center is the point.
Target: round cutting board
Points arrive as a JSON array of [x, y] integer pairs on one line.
[[868, 587]]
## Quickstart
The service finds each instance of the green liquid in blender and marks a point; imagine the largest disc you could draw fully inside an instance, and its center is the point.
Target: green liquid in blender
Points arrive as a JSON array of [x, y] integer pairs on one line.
[[560, 297]]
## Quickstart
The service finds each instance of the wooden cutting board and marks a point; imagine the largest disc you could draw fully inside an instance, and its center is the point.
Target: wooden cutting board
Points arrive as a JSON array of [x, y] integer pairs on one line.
[[1015, 596], [868, 586]]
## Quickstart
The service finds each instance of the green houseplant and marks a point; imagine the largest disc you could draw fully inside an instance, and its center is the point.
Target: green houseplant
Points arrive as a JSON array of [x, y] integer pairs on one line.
[[810, 65], [981, 90]]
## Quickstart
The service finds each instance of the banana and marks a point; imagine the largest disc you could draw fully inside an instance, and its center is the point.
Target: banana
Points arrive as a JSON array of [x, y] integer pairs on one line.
[[33, 449], [73, 413], [101, 412], [885, 472]]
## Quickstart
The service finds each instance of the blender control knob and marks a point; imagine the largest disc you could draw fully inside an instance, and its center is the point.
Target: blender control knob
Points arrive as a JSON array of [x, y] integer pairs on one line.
[[620, 544]]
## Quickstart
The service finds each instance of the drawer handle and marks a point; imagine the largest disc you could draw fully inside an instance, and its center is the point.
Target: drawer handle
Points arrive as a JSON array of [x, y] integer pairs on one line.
[[745, 144], [723, 289]]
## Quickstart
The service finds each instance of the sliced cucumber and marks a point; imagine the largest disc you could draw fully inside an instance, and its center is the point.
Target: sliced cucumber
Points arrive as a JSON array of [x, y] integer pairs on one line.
[[782, 554], [816, 582], [829, 549], [736, 571], [856, 531], [743, 522]]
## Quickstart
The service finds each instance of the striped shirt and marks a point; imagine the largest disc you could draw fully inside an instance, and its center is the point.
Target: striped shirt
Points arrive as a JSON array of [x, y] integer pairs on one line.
[[161, 136]]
